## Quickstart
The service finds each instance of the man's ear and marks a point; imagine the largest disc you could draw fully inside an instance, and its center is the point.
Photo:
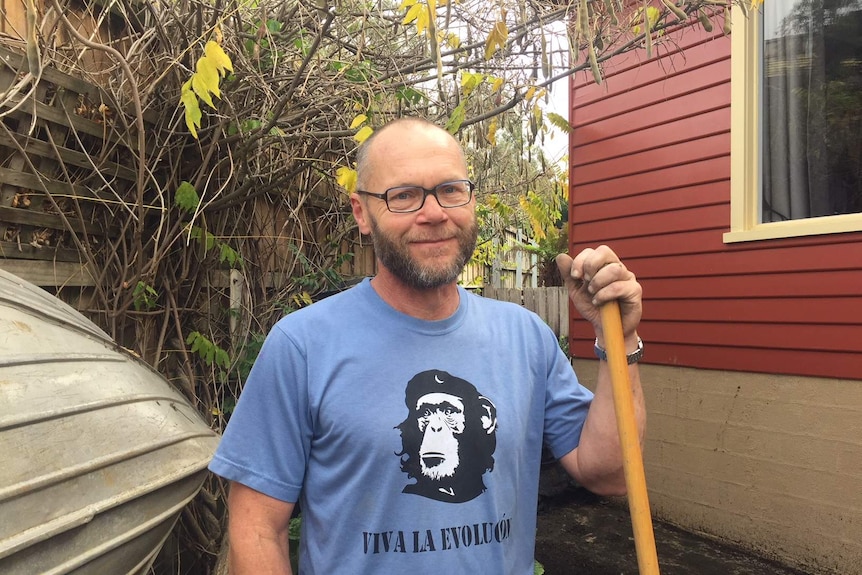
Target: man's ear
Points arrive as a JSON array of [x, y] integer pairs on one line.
[[359, 214]]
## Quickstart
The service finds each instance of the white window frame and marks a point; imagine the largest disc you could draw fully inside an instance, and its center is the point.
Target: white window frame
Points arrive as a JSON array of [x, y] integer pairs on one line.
[[745, 148]]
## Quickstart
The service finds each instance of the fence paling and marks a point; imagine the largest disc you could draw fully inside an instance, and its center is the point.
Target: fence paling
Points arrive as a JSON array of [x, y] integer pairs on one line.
[[549, 303]]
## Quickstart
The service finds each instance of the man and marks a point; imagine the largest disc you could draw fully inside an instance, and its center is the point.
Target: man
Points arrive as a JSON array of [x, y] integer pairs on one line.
[[406, 415]]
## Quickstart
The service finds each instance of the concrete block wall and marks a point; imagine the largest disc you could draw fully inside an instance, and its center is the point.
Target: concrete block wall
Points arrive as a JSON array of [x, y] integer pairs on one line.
[[772, 463]]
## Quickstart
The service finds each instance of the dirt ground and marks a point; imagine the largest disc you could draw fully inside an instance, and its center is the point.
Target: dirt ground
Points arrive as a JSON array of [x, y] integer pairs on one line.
[[582, 534]]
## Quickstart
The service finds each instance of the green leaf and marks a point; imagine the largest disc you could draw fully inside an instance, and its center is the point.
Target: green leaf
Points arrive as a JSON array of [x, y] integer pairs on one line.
[[209, 352], [559, 122], [144, 297], [274, 26], [207, 240], [251, 125], [459, 114], [295, 528], [222, 359], [410, 96], [187, 198], [228, 254]]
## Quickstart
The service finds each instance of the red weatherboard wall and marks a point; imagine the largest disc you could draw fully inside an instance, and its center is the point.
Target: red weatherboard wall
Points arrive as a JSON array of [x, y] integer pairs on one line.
[[650, 176]]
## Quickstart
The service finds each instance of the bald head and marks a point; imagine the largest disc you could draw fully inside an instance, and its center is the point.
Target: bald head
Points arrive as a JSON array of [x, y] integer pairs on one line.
[[403, 133]]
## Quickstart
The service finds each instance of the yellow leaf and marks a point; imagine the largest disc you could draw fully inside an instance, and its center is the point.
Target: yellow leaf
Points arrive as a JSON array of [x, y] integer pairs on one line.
[[470, 81], [363, 134], [422, 22], [492, 132], [358, 121], [406, 3], [200, 88], [193, 110], [205, 79], [208, 73], [496, 85], [453, 40], [496, 39], [218, 57], [413, 14], [346, 178], [652, 14], [530, 93], [419, 14]]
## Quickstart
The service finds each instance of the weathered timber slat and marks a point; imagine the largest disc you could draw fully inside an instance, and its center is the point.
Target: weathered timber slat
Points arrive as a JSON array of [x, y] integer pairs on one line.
[[48, 273], [39, 185], [18, 61], [53, 221], [74, 121], [80, 159], [24, 251]]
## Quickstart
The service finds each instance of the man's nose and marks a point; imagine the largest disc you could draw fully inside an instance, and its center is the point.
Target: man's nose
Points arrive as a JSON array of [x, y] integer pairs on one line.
[[432, 208]]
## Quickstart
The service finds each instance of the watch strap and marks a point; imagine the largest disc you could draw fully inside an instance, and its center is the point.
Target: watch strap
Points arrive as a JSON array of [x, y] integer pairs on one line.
[[631, 358]]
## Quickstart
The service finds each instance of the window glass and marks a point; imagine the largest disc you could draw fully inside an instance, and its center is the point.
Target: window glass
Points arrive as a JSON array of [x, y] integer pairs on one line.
[[811, 97]]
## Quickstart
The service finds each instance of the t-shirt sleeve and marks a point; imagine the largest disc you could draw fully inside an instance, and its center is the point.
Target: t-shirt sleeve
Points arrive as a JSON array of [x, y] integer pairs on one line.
[[566, 405], [267, 440]]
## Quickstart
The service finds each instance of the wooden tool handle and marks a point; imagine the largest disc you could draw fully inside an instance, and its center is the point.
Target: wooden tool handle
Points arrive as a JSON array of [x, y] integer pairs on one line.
[[629, 441]]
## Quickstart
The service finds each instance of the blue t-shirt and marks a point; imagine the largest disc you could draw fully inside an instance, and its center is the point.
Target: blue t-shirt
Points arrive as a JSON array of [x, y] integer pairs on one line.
[[412, 446]]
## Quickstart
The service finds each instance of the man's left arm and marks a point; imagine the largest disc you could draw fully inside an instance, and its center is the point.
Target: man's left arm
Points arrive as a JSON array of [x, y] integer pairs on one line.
[[593, 278]]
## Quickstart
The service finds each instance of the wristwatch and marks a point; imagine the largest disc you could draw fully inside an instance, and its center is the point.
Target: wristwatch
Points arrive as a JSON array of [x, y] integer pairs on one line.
[[631, 358]]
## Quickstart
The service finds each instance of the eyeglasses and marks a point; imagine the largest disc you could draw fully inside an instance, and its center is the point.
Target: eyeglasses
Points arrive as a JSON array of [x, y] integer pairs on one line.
[[406, 199]]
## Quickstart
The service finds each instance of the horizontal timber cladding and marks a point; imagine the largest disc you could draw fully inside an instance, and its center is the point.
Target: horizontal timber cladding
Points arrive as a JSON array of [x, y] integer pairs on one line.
[[650, 176]]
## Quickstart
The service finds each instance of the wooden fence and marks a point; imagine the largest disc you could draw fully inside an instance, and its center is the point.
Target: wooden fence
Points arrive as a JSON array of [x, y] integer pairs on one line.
[[63, 170], [512, 267], [550, 303]]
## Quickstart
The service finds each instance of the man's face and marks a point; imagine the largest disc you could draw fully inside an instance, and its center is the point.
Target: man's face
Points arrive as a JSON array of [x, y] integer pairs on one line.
[[429, 264], [428, 248]]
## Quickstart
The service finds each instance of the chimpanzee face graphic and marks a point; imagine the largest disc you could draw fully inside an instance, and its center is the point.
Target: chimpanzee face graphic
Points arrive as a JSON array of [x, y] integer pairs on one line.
[[448, 439]]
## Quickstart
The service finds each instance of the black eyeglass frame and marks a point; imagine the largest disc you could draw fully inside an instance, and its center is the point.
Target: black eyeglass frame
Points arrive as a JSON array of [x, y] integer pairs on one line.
[[425, 193]]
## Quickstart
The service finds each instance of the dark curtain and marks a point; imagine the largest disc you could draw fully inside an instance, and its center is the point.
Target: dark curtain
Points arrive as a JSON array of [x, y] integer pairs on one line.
[[812, 109]]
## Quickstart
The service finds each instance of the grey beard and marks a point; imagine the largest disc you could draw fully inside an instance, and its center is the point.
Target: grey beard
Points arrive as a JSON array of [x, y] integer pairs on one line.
[[397, 259]]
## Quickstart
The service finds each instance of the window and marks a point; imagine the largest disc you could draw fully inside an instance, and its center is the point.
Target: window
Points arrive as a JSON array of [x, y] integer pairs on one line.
[[796, 119]]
